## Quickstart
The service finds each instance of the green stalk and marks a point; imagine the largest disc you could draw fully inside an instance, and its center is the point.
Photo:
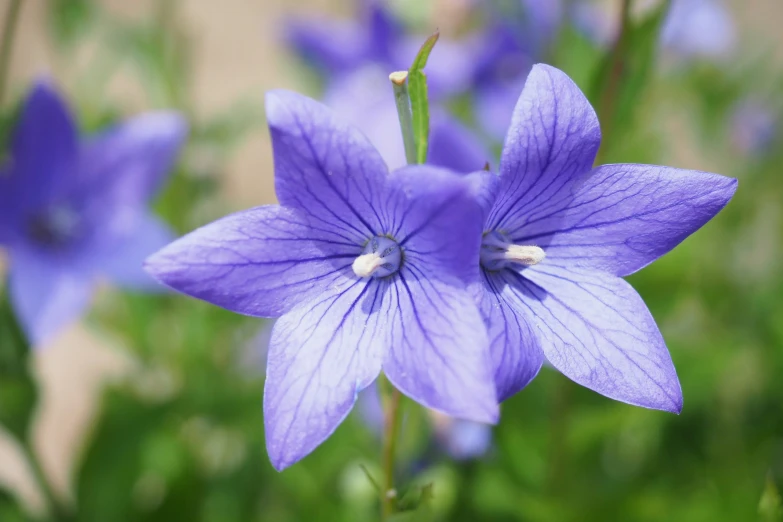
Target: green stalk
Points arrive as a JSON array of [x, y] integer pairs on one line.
[[606, 107], [402, 98], [9, 30], [55, 510], [390, 431]]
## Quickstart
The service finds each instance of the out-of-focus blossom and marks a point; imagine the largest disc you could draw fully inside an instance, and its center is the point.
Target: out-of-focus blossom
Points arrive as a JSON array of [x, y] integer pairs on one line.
[[558, 239], [754, 127], [693, 29], [460, 439], [337, 48], [701, 29], [503, 54], [491, 64], [368, 271], [72, 211]]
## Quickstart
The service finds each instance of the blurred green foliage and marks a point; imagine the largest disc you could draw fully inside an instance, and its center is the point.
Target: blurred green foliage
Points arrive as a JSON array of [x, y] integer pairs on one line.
[[181, 438]]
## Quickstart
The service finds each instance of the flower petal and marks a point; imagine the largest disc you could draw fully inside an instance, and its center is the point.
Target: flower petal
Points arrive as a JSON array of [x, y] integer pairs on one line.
[[515, 348], [46, 294], [260, 262], [454, 146], [439, 354], [329, 45], [597, 330], [553, 140], [122, 258], [465, 440], [44, 149], [437, 218], [625, 217], [325, 168], [124, 167], [322, 354]]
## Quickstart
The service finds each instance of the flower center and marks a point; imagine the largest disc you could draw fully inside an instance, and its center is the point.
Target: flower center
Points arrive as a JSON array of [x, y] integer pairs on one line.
[[381, 257], [54, 227], [497, 252]]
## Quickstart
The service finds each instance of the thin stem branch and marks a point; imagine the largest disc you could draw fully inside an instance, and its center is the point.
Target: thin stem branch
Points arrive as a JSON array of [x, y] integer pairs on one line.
[[56, 511], [607, 104], [391, 429], [403, 100], [6, 45]]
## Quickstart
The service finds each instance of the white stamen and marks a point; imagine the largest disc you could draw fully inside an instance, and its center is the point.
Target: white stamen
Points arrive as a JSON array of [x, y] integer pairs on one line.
[[526, 255], [496, 253], [366, 264]]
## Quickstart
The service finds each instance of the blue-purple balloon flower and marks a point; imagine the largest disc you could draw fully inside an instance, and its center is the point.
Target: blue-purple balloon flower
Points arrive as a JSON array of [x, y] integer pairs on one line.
[[71, 211], [559, 237], [369, 271], [336, 48]]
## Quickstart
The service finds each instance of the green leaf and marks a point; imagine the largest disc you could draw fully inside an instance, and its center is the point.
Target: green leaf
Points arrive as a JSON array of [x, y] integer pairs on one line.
[[18, 392], [770, 506], [10, 511], [417, 87], [70, 20]]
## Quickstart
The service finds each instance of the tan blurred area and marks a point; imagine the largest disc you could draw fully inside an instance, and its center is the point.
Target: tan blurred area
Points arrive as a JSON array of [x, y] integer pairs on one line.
[[236, 53]]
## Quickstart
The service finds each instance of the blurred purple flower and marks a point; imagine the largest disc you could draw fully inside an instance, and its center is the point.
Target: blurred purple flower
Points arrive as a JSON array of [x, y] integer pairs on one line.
[[461, 439], [492, 63], [369, 271], [693, 29], [339, 47], [702, 29], [754, 127], [70, 212], [503, 55], [560, 236]]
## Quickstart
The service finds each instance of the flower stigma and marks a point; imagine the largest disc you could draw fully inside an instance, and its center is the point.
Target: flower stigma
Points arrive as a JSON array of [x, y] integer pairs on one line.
[[55, 227], [497, 252], [381, 257]]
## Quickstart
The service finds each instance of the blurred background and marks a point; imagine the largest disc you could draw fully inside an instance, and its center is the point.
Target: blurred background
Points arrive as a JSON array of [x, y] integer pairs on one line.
[[150, 409]]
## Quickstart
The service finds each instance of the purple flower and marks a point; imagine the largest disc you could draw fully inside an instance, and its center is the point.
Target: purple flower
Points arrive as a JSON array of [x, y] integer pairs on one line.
[[337, 47], [702, 29], [460, 439], [72, 211], [754, 127], [502, 55], [368, 270], [560, 236]]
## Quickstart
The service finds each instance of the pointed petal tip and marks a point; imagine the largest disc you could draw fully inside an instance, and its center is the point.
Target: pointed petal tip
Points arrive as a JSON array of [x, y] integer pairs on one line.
[[171, 126], [278, 104], [44, 94], [45, 85], [156, 265], [278, 462]]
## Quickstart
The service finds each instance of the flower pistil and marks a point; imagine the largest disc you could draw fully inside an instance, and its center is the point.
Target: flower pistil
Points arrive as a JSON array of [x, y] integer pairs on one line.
[[497, 252], [381, 257]]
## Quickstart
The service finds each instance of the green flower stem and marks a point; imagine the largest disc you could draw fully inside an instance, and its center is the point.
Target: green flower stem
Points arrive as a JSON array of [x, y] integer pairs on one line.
[[390, 431], [607, 102], [9, 30], [402, 98], [390, 396], [55, 510]]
